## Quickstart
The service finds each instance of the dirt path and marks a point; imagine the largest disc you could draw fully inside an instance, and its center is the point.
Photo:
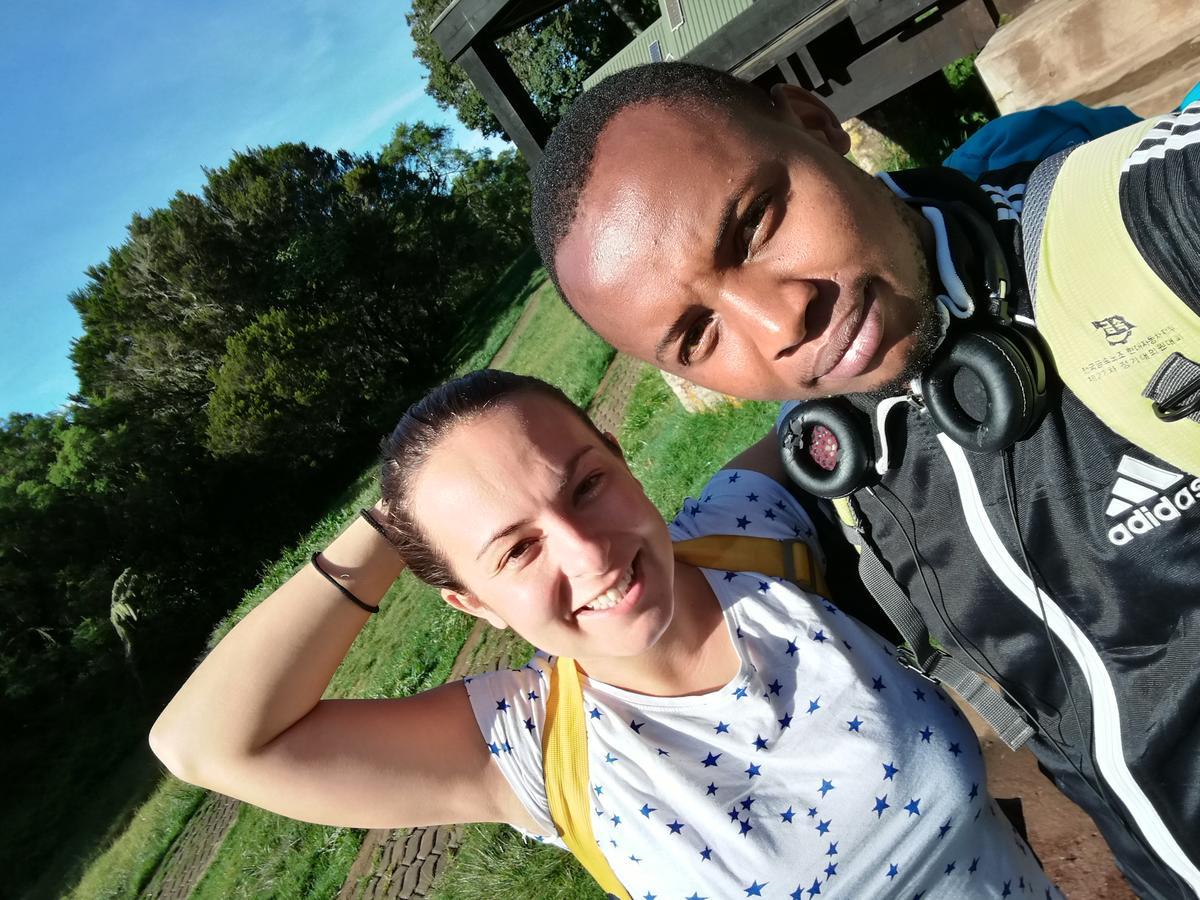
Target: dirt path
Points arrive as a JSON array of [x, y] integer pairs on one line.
[[506, 349], [194, 850], [608, 407], [1061, 834]]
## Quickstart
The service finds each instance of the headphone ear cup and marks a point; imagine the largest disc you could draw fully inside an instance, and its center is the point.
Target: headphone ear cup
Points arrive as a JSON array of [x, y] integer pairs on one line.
[[1009, 368], [855, 466]]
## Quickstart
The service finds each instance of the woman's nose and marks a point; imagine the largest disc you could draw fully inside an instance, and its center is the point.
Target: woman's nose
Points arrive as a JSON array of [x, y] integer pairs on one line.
[[583, 552]]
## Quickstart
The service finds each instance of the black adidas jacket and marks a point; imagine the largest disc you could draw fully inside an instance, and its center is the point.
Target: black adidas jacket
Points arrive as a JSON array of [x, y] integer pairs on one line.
[[1112, 536]]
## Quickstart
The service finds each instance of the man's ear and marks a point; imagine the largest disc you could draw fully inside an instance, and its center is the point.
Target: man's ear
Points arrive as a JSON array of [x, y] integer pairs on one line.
[[470, 604], [810, 111]]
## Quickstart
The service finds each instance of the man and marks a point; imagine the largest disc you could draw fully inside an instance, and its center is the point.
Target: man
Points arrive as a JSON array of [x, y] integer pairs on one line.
[[716, 231]]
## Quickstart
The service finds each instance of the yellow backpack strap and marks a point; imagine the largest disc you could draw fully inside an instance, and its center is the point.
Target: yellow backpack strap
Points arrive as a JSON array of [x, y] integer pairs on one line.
[[790, 560], [848, 518], [565, 767], [1109, 320]]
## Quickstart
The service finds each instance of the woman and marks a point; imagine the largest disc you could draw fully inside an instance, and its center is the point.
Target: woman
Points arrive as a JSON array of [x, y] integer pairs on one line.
[[745, 738]]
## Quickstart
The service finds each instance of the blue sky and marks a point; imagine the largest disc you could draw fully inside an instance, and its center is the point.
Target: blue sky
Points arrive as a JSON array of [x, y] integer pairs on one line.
[[108, 108]]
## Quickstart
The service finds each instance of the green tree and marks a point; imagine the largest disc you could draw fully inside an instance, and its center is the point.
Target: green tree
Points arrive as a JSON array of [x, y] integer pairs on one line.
[[552, 56]]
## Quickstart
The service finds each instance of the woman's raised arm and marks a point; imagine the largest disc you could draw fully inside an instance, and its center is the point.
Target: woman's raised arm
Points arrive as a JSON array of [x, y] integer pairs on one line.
[[250, 721]]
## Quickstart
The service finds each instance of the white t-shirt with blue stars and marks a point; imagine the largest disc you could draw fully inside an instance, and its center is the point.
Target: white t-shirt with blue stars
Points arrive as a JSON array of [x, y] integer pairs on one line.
[[824, 768]]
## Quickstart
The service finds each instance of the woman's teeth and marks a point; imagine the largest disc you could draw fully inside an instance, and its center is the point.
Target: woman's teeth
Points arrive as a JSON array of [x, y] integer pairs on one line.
[[613, 595]]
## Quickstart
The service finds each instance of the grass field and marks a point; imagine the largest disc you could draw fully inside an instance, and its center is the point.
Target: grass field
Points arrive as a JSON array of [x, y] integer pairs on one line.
[[408, 647], [412, 643]]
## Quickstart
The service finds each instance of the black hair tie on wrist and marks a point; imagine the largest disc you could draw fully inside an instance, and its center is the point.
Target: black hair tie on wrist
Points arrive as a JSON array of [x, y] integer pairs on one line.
[[365, 607]]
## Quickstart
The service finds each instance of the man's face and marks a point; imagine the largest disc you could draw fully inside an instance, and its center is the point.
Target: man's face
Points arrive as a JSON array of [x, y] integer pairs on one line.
[[749, 257]]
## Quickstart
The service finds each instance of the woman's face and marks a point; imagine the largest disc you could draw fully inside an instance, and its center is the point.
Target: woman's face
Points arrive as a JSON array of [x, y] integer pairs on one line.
[[548, 531]]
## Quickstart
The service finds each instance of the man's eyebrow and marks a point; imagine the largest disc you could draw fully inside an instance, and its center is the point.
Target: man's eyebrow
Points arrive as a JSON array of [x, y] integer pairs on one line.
[[728, 214], [568, 474], [678, 327]]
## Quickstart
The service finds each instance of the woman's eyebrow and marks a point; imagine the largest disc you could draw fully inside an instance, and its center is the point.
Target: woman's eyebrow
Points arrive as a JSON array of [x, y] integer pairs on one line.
[[568, 474]]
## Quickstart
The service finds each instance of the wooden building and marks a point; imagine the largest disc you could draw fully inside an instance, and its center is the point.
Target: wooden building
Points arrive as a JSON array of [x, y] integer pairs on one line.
[[853, 53]]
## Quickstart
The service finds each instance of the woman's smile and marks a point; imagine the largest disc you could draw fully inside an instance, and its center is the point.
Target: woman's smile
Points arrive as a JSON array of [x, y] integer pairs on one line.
[[618, 599]]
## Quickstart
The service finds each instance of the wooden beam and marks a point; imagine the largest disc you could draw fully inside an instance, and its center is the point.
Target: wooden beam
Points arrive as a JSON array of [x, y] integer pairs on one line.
[[873, 18], [507, 98], [756, 27], [463, 22], [908, 57]]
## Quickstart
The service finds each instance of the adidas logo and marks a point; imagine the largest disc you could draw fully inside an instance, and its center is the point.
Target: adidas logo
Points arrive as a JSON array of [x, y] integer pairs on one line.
[[1137, 485]]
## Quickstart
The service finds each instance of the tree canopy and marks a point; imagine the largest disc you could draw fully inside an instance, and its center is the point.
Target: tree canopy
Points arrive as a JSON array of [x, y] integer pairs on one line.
[[267, 328], [552, 56]]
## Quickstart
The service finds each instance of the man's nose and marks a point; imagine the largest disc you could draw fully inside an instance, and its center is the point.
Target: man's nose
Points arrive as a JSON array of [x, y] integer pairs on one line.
[[770, 312]]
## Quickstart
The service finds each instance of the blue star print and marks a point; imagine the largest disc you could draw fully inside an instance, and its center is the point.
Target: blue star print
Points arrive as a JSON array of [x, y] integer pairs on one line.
[[775, 687], [742, 522], [647, 809], [955, 749], [676, 827], [752, 497], [943, 829], [893, 871], [880, 805], [753, 770], [816, 887], [792, 648], [734, 477], [787, 816], [920, 694], [746, 827], [877, 684], [819, 637], [813, 706], [595, 712], [760, 743], [501, 705], [721, 728], [889, 771], [711, 759], [729, 576], [786, 721], [706, 853], [740, 693], [712, 789], [826, 787], [636, 725], [913, 807], [823, 826], [755, 889], [926, 734], [529, 724], [855, 724]]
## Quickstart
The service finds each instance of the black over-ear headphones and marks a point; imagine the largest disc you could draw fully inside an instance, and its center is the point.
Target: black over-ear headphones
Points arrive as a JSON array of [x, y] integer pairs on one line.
[[1007, 363]]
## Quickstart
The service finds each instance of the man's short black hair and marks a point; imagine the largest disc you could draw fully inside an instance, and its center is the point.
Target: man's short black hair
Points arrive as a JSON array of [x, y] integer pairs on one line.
[[559, 179]]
